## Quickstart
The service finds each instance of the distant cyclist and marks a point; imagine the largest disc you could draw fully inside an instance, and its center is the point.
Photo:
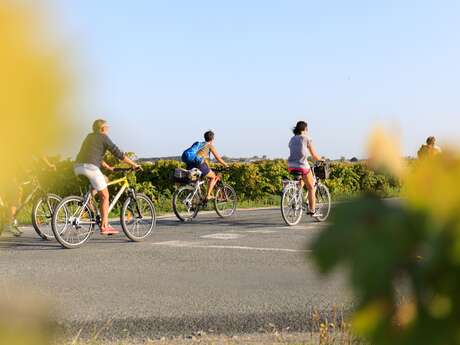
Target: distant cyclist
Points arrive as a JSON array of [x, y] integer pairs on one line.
[[199, 155], [430, 149], [300, 145], [89, 161]]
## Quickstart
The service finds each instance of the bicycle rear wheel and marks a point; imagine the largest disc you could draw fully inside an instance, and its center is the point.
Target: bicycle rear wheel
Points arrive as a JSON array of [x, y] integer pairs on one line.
[[323, 202], [225, 201], [73, 222], [138, 217], [42, 214], [186, 203], [291, 206]]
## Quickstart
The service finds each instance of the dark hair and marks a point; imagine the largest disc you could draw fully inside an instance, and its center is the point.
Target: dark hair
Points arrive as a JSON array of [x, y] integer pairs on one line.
[[430, 140], [300, 127], [209, 136], [98, 124]]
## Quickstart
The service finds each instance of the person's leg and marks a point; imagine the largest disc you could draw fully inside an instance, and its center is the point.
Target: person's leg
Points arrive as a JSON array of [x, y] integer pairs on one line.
[[212, 183], [310, 186], [13, 210], [104, 207]]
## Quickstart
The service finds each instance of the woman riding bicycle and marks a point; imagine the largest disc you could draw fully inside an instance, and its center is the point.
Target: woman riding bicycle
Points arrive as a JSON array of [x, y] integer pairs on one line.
[[89, 161], [299, 146]]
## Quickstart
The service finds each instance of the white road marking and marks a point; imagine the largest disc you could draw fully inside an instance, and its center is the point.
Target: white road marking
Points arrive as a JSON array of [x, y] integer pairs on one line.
[[223, 236], [189, 244]]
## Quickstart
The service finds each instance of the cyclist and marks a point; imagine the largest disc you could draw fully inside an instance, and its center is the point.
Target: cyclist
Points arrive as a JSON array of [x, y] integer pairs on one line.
[[14, 195], [299, 146], [89, 161], [429, 150], [201, 161]]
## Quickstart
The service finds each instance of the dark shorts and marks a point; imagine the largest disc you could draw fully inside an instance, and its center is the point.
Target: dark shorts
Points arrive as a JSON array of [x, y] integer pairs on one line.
[[203, 167]]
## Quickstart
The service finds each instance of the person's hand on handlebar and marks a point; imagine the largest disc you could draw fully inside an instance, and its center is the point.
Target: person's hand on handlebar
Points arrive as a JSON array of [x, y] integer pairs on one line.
[[107, 167]]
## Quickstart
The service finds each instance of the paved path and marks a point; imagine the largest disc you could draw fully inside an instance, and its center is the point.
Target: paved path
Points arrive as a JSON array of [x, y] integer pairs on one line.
[[235, 275]]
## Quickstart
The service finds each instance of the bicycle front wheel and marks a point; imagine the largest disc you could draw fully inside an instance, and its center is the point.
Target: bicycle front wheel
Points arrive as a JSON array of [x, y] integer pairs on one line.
[[42, 215], [225, 201], [323, 202], [138, 217], [73, 222], [291, 206], [186, 203]]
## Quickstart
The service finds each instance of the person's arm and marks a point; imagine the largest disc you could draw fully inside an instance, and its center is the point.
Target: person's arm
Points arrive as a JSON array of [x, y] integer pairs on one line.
[[106, 166], [127, 160], [312, 150], [120, 154], [218, 157], [48, 163]]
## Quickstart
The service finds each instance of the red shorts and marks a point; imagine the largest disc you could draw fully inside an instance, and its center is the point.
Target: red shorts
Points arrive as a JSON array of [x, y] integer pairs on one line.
[[303, 171]]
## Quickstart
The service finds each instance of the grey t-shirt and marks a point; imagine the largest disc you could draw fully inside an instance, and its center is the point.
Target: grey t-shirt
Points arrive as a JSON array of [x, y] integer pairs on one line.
[[94, 148], [298, 147]]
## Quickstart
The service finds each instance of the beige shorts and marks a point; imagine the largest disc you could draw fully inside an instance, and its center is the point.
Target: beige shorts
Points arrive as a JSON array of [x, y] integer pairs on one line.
[[94, 175]]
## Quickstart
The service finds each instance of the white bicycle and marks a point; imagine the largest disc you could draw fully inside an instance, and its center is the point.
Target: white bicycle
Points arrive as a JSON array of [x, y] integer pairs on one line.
[[294, 204]]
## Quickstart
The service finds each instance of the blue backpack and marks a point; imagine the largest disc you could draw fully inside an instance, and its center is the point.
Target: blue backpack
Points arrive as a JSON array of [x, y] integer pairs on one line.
[[190, 157]]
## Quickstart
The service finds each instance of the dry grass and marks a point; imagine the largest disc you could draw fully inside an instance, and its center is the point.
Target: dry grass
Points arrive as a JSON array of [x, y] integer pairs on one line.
[[250, 339]]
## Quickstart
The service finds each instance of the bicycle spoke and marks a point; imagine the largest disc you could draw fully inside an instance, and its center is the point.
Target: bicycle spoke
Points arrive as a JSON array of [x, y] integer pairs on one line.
[[138, 217]]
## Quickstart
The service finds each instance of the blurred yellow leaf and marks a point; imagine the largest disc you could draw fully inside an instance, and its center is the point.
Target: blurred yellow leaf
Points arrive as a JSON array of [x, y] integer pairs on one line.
[[440, 306], [366, 319], [32, 89], [432, 185], [384, 152], [406, 313]]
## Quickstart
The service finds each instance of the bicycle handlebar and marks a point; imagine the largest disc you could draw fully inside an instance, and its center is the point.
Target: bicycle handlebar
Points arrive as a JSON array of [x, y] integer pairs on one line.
[[220, 169], [126, 169]]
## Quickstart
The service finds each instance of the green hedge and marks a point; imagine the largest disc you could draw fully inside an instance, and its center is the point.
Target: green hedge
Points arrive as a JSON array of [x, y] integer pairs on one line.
[[252, 181]]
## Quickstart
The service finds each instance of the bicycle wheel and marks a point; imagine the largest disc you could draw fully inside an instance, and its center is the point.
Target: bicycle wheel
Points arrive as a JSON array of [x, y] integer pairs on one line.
[[186, 203], [42, 214], [291, 206], [73, 223], [323, 202], [225, 201], [138, 217]]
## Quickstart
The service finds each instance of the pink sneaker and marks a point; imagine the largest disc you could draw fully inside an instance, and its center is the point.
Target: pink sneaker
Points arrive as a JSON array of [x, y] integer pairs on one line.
[[108, 230]]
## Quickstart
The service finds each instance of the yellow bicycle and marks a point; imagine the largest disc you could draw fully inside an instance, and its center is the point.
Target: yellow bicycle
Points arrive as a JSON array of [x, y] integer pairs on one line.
[[75, 217]]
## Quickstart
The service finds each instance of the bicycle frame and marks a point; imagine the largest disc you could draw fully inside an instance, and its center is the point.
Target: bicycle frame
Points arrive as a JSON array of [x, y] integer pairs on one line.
[[29, 197], [88, 197], [197, 186]]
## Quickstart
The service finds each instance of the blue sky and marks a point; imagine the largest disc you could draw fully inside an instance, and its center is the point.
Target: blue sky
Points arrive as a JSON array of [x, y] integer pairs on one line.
[[163, 72]]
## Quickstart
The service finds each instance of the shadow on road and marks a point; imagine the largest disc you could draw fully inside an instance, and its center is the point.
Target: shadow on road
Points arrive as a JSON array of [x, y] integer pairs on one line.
[[30, 243]]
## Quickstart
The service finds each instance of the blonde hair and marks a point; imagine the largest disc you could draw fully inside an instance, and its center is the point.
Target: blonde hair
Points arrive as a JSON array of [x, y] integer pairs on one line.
[[98, 124]]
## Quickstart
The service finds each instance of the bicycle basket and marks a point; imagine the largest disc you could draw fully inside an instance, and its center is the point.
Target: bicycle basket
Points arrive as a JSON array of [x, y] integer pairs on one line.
[[194, 174], [181, 176], [321, 171]]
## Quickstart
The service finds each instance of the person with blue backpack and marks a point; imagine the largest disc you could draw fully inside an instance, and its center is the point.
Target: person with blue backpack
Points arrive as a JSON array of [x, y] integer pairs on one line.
[[199, 156]]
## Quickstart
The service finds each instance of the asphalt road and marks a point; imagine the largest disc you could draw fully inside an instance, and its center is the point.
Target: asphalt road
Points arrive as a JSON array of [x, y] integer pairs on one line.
[[240, 275]]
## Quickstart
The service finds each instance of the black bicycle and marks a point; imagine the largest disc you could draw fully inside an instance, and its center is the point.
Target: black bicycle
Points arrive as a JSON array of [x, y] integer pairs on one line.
[[189, 199]]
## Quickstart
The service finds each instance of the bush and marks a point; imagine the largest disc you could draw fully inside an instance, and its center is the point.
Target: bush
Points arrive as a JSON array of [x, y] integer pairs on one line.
[[257, 181]]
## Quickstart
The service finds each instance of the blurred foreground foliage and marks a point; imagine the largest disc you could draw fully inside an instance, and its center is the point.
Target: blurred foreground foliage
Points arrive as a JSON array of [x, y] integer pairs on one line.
[[402, 258], [33, 89]]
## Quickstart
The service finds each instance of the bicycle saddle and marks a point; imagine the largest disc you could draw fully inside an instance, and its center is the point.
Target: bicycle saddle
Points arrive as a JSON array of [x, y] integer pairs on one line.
[[296, 175]]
